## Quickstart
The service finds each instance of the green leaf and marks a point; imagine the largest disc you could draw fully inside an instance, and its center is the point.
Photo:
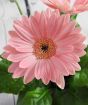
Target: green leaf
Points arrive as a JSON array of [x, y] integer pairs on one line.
[[7, 84], [70, 97], [80, 79], [38, 96]]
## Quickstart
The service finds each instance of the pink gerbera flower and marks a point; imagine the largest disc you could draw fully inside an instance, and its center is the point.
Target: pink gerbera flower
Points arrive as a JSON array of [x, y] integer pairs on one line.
[[68, 6], [45, 46]]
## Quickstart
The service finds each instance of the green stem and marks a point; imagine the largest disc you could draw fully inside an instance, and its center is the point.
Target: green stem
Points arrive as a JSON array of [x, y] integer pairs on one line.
[[18, 6]]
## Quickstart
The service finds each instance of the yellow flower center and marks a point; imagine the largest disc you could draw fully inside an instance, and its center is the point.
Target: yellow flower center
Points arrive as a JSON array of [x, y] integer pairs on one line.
[[44, 48]]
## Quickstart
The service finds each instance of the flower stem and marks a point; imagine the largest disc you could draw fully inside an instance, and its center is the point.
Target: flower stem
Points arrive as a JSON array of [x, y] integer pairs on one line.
[[27, 7], [18, 6]]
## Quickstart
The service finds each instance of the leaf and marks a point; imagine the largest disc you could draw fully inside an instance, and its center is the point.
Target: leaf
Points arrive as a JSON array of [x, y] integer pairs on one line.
[[7, 84], [70, 97], [38, 96]]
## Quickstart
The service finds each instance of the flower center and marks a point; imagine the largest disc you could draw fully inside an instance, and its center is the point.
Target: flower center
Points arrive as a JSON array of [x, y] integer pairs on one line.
[[44, 48]]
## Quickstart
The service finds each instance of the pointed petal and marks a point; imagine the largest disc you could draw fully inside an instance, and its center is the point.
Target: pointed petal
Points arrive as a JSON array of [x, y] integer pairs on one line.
[[19, 73], [13, 67], [29, 75]]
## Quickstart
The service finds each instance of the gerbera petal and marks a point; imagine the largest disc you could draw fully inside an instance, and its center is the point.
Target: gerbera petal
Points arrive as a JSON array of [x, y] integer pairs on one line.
[[43, 71], [76, 66], [56, 76], [63, 50], [29, 75], [9, 49], [43, 25], [17, 56], [68, 6], [19, 73], [70, 57], [28, 61], [58, 26], [35, 28], [5, 55], [24, 48], [13, 34], [51, 3], [60, 66], [71, 40], [23, 33], [60, 82], [13, 67], [67, 30], [81, 53], [71, 60], [62, 21]]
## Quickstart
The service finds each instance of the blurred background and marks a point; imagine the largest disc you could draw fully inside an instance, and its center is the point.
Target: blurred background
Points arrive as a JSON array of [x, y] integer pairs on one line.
[[8, 13]]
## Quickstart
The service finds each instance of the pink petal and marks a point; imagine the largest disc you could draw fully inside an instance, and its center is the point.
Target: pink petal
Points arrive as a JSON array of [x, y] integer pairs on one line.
[[60, 82], [71, 40], [43, 71], [20, 46], [56, 29], [19, 73], [52, 4], [5, 55], [43, 25], [56, 76], [76, 66], [64, 50], [23, 33], [13, 34], [70, 57], [9, 49], [29, 75], [35, 28], [63, 20], [37, 14], [13, 67], [67, 30], [28, 61], [70, 68], [17, 56], [71, 63], [81, 53], [60, 66]]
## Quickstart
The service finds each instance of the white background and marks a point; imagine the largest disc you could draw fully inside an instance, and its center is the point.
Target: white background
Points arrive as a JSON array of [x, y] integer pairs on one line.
[[9, 12]]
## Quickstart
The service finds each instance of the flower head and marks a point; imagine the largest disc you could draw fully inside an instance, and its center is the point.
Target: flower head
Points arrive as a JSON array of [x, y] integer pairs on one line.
[[68, 6], [45, 46]]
